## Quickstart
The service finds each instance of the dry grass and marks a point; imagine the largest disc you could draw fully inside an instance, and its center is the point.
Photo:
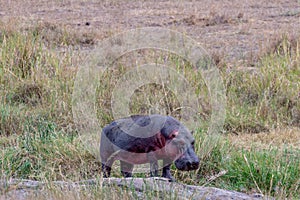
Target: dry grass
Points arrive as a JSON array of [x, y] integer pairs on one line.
[[278, 138]]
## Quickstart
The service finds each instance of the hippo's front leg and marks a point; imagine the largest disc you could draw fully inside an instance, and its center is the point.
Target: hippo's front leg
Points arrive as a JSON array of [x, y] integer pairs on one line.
[[126, 169], [153, 164], [106, 170], [166, 171]]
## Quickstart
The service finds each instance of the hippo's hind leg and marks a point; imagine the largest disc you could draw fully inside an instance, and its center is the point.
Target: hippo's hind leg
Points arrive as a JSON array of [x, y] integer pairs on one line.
[[166, 171], [106, 164], [126, 169], [107, 153]]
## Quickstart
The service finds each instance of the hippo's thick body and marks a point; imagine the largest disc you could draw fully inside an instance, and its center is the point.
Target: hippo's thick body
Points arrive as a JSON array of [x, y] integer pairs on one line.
[[143, 139]]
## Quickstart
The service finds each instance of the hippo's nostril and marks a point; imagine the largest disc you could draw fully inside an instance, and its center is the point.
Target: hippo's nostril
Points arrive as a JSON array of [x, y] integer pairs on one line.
[[188, 164], [195, 165]]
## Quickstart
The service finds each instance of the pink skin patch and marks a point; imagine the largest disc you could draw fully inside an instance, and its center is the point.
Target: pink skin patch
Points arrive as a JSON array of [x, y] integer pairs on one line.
[[164, 148], [173, 146]]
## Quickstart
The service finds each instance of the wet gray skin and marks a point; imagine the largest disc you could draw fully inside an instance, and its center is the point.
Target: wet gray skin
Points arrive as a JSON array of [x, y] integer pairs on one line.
[[143, 139]]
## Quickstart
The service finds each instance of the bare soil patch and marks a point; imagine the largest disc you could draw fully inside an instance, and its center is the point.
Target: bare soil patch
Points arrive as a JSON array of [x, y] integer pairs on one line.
[[231, 31]]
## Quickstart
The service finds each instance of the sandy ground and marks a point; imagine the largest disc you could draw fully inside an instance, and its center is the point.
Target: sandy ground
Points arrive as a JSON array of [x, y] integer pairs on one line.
[[235, 30]]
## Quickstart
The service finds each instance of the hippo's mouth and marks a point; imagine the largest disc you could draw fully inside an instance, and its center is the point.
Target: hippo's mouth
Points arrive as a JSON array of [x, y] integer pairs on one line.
[[186, 165]]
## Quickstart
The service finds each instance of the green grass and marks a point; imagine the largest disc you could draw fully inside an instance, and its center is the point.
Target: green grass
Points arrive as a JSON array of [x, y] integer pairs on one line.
[[44, 153], [273, 172], [39, 139], [266, 99]]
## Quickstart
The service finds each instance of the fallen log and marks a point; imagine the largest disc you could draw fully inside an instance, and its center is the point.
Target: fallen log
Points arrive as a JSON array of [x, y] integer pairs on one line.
[[140, 185]]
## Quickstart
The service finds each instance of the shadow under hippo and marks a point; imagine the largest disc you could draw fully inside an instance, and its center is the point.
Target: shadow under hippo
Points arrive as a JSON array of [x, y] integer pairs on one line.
[[141, 139]]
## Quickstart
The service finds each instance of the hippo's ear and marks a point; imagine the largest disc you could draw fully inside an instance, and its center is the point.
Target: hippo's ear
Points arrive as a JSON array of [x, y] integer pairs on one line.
[[192, 132], [173, 134]]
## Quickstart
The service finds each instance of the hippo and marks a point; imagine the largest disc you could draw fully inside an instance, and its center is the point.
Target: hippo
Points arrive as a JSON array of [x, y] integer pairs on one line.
[[141, 139]]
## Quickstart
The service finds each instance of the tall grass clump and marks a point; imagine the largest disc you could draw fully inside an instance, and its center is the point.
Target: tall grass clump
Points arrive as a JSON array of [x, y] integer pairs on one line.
[[33, 80], [155, 97], [268, 97], [36, 126], [260, 100], [43, 152], [271, 172]]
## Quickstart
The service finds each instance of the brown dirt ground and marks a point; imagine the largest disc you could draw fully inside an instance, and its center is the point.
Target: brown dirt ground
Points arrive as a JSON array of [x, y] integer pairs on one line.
[[234, 31]]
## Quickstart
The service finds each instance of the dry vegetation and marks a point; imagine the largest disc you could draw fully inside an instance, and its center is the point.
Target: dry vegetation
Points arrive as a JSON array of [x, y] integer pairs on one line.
[[260, 148]]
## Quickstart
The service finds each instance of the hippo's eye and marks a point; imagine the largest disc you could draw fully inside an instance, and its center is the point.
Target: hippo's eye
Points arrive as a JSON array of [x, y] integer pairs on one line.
[[192, 143]]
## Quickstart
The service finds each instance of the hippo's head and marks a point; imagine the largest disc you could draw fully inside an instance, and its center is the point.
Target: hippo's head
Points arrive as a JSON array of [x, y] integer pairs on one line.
[[180, 147], [187, 160]]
